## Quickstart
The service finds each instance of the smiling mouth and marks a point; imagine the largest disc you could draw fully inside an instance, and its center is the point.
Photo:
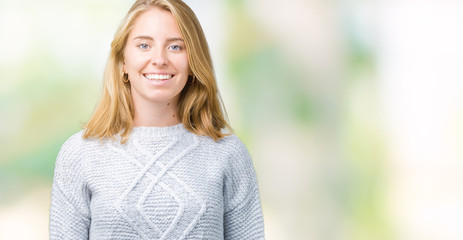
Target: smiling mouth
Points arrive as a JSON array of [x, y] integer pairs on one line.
[[158, 77]]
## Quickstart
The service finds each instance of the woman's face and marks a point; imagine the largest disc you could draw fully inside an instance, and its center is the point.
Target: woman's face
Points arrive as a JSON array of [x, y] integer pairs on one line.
[[155, 59]]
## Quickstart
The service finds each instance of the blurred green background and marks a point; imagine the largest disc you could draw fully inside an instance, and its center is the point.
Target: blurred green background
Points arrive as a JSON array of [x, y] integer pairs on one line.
[[352, 110]]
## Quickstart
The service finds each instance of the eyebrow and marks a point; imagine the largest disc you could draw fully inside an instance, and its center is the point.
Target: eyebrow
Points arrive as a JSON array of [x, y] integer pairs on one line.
[[151, 39]]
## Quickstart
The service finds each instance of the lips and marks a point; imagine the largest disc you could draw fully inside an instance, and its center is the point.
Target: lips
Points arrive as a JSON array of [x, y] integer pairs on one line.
[[157, 76]]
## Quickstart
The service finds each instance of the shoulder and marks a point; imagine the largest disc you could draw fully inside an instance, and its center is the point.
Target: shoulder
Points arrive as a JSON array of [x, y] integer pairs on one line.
[[233, 154], [68, 162], [73, 144], [229, 145], [76, 138], [77, 143], [73, 148]]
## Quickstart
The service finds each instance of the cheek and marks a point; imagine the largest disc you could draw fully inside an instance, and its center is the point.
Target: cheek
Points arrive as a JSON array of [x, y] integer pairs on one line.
[[134, 62], [182, 64]]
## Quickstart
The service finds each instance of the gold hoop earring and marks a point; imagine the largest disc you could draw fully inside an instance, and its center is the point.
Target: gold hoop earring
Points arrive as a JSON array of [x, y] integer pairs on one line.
[[125, 77], [193, 79]]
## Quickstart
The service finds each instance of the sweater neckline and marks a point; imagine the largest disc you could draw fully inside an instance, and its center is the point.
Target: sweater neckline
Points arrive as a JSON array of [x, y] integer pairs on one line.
[[144, 131]]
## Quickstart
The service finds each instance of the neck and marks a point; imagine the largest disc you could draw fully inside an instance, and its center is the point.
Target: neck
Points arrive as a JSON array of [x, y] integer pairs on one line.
[[149, 114]]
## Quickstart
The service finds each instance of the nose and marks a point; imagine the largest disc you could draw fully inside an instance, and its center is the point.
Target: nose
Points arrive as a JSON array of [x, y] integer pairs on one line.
[[159, 57]]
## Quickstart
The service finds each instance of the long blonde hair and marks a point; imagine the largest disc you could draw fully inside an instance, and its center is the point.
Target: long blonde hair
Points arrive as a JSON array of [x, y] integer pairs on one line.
[[200, 107]]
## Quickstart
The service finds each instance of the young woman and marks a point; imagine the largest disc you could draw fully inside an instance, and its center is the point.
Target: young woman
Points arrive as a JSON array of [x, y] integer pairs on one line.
[[154, 160]]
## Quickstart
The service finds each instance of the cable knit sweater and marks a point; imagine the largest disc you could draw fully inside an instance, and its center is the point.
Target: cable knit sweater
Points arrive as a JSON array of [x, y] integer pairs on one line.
[[163, 183]]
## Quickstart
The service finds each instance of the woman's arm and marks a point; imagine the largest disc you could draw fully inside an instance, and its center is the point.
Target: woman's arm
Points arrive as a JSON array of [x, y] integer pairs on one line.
[[243, 212], [69, 210]]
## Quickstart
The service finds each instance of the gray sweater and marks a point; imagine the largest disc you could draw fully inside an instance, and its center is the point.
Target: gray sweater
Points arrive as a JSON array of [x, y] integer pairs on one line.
[[163, 183]]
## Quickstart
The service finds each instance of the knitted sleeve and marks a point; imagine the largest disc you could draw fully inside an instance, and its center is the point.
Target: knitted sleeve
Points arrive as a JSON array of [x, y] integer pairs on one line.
[[69, 210], [243, 213]]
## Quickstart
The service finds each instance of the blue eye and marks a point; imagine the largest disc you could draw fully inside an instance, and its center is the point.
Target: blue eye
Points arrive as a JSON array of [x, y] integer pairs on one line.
[[175, 47], [143, 46]]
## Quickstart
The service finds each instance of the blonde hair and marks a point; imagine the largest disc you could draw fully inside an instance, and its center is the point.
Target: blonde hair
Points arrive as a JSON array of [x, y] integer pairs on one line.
[[200, 107]]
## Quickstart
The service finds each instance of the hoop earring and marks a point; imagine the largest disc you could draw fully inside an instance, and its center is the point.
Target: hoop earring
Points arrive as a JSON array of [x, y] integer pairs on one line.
[[125, 77], [193, 79]]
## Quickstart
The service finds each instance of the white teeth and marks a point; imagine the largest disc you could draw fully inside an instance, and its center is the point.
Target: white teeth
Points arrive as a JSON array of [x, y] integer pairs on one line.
[[158, 76]]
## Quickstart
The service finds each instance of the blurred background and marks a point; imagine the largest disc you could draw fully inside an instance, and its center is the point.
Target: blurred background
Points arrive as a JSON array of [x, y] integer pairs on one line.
[[352, 109]]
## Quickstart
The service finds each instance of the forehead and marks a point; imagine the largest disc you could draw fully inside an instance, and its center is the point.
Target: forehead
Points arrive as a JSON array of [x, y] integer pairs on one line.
[[155, 22]]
